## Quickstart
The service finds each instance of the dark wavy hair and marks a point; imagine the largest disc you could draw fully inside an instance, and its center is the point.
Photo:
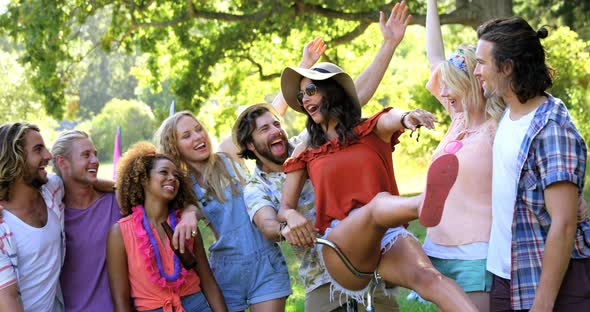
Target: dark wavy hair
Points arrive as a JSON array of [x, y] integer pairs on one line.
[[134, 168], [245, 129], [337, 105], [13, 156], [517, 44]]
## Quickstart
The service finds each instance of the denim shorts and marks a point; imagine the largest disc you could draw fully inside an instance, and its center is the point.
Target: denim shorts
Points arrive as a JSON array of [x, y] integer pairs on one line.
[[191, 303], [251, 279], [388, 240], [471, 275]]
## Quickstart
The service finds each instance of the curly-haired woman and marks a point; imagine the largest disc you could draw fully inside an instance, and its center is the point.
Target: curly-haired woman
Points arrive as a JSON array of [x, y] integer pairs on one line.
[[141, 263]]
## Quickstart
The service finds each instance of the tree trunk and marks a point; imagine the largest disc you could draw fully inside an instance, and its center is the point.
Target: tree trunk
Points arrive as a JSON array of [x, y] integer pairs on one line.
[[472, 12]]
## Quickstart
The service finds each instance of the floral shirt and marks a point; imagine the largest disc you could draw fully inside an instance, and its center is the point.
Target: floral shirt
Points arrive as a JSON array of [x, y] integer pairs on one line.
[[264, 189]]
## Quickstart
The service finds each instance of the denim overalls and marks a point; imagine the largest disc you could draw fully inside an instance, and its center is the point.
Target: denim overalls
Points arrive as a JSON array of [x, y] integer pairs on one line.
[[248, 268]]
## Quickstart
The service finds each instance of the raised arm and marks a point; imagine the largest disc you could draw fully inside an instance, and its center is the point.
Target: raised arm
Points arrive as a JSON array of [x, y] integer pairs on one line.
[[118, 271], [393, 30], [435, 50], [312, 52]]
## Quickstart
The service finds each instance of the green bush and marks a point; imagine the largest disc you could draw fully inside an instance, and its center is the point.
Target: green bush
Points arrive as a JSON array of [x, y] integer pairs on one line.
[[135, 118]]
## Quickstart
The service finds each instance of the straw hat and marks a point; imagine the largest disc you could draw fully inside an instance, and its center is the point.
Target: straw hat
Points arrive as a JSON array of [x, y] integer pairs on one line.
[[244, 113], [291, 77]]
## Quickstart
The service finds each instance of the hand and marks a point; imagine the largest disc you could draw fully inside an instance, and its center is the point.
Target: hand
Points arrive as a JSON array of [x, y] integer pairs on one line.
[[186, 228], [419, 117], [299, 230], [394, 28], [582, 209], [312, 52]]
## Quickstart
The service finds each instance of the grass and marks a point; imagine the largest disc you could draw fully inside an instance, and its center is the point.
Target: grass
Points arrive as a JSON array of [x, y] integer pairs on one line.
[[410, 181]]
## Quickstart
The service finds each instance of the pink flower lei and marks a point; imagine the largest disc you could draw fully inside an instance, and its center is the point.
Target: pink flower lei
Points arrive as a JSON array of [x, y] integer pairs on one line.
[[147, 252]]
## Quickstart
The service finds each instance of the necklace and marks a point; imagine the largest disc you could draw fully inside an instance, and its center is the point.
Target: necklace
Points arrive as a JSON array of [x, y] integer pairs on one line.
[[148, 247]]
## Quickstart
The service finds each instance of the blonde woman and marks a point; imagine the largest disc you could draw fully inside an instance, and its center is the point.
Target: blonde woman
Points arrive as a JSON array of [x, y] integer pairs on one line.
[[458, 245], [251, 271]]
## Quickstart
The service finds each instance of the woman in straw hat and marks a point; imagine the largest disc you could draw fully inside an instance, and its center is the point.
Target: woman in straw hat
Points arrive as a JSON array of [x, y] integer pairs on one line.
[[349, 162], [251, 270]]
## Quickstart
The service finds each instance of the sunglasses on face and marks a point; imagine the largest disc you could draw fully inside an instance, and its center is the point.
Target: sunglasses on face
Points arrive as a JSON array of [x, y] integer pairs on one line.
[[310, 90]]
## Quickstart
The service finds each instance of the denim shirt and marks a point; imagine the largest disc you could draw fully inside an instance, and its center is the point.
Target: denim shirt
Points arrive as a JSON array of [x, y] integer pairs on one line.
[[551, 151], [236, 235]]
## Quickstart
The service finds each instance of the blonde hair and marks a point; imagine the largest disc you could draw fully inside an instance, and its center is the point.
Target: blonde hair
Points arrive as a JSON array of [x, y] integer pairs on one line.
[[63, 146], [13, 155], [215, 176], [468, 87]]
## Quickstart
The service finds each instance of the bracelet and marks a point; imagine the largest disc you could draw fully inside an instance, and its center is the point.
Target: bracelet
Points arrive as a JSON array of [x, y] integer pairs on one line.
[[403, 118], [282, 226]]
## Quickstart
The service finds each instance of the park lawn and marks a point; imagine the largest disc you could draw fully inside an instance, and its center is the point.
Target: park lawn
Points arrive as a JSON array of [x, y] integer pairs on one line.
[[295, 303]]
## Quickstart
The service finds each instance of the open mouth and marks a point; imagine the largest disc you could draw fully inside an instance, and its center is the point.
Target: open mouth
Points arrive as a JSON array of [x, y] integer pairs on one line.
[[278, 146], [311, 109], [169, 188], [92, 170], [200, 146]]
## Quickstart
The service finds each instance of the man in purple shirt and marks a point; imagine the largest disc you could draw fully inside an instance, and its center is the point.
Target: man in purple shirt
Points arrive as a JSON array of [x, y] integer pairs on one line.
[[89, 214]]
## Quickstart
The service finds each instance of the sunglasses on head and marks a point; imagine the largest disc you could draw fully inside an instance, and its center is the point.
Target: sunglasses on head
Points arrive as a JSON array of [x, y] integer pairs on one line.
[[310, 90]]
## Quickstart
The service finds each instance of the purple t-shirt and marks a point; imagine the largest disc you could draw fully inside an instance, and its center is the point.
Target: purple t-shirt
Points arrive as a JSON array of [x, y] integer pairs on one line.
[[84, 277]]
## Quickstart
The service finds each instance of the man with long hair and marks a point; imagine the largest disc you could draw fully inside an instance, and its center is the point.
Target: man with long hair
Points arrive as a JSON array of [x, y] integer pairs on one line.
[[31, 232], [538, 251]]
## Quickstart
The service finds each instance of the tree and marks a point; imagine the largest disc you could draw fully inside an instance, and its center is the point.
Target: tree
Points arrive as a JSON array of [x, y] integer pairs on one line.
[[135, 118], [198, 34]]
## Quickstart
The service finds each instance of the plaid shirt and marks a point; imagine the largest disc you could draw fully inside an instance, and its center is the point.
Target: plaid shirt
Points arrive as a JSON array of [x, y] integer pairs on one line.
[[552, 151]]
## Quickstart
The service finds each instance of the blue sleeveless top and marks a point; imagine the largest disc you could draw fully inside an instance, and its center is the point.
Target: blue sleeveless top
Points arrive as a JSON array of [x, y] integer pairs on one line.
[[236, 234]]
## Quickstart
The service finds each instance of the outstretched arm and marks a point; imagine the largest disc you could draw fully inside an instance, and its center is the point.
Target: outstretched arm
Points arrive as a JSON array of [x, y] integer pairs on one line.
[[393, 30], [435, 50], [312, 52], [395, 120]]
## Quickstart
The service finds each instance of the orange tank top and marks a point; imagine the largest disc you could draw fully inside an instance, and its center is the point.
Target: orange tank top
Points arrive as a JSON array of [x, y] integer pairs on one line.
[[146, 294], [348, 176]]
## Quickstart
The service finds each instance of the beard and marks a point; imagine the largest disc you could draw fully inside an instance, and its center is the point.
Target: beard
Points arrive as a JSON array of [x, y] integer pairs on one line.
[[264, 151], [34, 179]]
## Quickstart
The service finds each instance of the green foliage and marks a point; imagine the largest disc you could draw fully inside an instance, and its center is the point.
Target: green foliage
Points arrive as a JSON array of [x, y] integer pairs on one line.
[[135, 118], [570, 57]]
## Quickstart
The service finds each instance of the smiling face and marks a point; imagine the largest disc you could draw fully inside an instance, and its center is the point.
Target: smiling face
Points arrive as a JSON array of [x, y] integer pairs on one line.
[[493, 81], [269, 140], [311, 103], [192, 140], [163, 180], [82, 163], [453, 98], [37, 159]]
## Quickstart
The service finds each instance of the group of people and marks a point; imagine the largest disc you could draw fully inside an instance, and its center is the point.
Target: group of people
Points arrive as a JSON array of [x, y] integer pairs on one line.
[[507, 225]]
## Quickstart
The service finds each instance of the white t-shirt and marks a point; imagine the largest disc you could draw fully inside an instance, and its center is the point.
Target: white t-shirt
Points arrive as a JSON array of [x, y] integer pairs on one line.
[[39, 260], [505, 177]]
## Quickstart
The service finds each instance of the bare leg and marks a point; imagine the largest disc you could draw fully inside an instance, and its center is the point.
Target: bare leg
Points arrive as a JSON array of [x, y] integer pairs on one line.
[[481, 299], [359, 236], [275, 305], [405, 264]]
